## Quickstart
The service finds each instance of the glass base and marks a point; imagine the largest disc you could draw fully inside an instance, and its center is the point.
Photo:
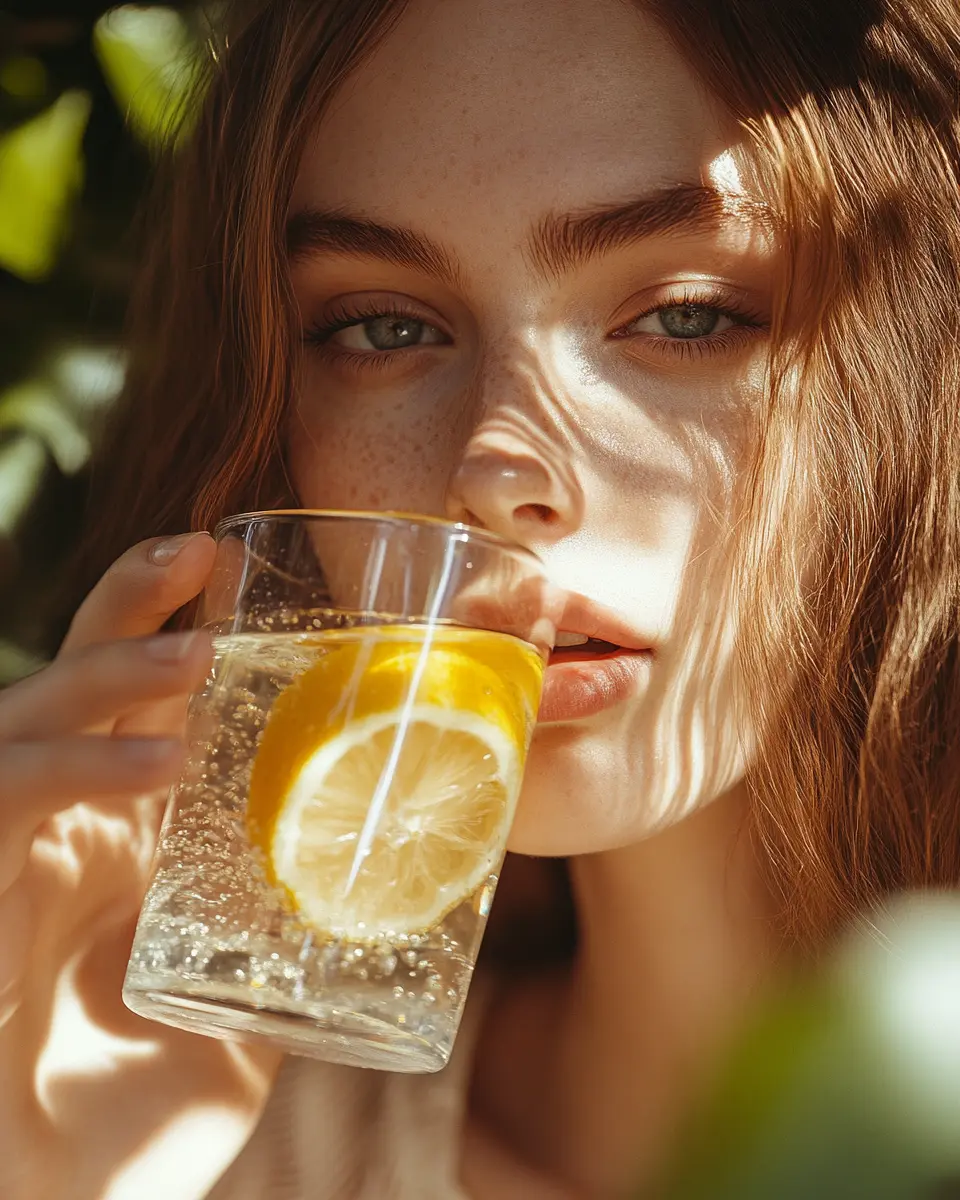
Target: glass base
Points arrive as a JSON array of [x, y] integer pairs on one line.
[[335, 1035]]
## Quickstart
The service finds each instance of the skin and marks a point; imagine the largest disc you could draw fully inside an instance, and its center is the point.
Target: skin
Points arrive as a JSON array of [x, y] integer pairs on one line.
[[554, 408], [613, 455]]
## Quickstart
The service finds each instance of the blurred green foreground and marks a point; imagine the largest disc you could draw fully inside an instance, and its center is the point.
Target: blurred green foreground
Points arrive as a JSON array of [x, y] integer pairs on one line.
[[848, 1086]]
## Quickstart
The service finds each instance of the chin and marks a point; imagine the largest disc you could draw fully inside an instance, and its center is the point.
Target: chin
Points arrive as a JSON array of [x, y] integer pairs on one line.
[[586, 793], [580, 796]]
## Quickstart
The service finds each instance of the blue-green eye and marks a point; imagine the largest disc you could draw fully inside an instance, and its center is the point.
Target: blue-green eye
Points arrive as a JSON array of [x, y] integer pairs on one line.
[[683, 321], [384, 333]]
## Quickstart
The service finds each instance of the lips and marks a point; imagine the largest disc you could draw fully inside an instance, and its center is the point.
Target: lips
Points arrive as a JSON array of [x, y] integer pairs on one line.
[[586, 648], [598, 661]]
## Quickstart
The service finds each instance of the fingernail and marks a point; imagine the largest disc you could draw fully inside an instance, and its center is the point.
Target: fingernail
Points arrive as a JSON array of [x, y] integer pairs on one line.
[[170, 647], [163, 553], [150, 750]]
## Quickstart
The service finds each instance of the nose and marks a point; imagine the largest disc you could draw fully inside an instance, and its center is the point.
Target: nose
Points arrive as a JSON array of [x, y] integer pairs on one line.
[[508, 484]]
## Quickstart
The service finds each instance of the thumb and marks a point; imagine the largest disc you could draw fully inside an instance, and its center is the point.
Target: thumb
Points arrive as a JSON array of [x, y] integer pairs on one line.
[[143, 589]]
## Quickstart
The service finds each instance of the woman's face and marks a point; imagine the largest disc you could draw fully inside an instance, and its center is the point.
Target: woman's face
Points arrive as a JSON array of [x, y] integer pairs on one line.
[[531, 301]]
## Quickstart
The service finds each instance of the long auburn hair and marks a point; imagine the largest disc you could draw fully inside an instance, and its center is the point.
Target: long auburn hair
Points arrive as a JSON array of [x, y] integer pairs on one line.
[[851, 551]]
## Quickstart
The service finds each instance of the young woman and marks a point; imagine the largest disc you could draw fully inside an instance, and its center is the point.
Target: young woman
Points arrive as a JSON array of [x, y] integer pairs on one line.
[[671, 295]]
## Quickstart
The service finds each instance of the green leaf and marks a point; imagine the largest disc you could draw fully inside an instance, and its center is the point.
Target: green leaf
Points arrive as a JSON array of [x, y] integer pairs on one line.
[[41, 170], [37, 408], [23, 461], [148, 59]]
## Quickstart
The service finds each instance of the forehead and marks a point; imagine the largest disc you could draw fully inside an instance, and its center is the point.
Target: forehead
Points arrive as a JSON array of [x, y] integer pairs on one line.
[[501, 109]]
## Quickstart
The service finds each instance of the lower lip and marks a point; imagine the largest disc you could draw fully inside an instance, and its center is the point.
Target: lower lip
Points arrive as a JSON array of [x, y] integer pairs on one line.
[[582, 687]]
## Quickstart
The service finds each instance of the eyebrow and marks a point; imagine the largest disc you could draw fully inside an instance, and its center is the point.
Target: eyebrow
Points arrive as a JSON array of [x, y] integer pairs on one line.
[[560, 243], [557, 243], [312, 231]]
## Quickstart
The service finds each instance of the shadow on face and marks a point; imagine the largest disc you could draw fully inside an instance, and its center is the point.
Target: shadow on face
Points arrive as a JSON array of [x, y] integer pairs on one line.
[[535, 298]]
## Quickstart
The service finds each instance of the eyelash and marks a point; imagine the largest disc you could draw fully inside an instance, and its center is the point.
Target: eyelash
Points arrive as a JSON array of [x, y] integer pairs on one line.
[[745, 323], [319, 334]]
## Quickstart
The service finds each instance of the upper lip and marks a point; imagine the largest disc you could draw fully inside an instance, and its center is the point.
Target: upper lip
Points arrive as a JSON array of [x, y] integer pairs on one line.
[[587, 617]]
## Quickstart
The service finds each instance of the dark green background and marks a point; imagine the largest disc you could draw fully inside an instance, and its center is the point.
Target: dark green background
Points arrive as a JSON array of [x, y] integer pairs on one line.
[[84, 104]]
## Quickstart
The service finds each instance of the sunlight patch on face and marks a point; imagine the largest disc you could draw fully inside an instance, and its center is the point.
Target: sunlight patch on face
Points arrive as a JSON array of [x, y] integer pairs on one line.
[[703, 741], [639, 574], [641, 587], [552, 371], [750, 219], [725, 175], [605, 414]]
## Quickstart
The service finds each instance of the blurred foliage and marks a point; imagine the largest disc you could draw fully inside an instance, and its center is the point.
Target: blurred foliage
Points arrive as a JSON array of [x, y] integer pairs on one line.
[[87, 94], [847, 1087]]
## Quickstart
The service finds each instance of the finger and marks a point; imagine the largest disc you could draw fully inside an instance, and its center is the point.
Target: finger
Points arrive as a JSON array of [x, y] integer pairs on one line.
[[48, 775], [167, 719], [38, 779], [100, 683], [143, 589]]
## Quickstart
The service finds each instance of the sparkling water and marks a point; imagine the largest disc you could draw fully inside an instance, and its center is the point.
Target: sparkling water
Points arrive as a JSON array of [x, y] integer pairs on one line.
[[221, 950]]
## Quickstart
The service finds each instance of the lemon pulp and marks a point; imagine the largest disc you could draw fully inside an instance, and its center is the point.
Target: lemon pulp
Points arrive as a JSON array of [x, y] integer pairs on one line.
[[386, 778]]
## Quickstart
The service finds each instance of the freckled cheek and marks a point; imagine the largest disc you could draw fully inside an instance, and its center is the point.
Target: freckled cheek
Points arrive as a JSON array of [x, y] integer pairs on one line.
[[345, 453]]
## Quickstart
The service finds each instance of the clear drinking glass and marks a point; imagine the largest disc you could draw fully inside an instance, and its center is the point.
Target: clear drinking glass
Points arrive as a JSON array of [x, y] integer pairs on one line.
[[328, 859]]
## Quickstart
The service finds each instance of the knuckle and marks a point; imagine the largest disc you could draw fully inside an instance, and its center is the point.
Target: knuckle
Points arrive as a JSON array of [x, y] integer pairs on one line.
[[101, 666], [97, 671], [130, 576], [139, 669], [121, 665]]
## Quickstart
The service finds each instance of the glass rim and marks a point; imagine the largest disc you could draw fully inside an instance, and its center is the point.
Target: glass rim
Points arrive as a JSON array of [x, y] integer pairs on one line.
[[472, 533]]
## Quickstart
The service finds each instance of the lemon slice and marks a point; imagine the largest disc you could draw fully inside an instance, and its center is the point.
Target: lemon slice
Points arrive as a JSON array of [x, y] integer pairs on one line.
[[384, 785]]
